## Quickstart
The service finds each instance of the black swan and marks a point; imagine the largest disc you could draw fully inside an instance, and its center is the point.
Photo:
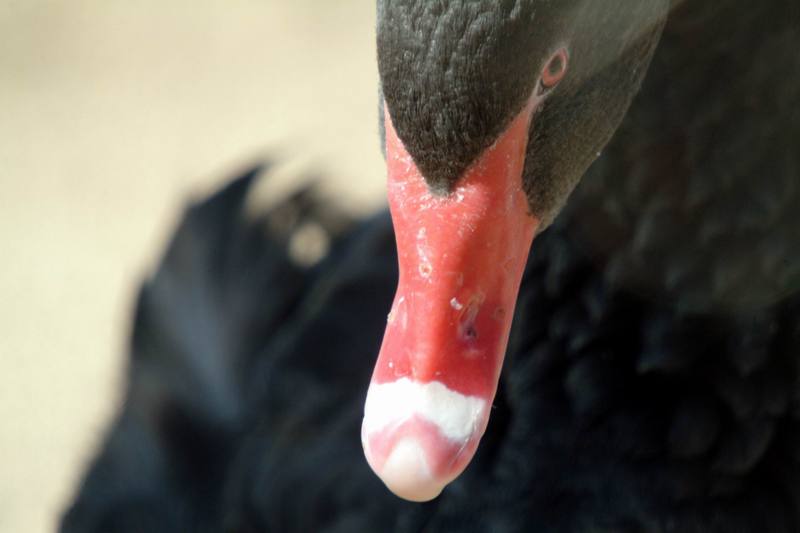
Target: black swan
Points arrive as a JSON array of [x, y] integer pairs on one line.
[[651, 379]]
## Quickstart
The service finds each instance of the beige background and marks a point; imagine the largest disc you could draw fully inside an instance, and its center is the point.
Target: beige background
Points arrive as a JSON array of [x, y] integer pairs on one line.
[[112, 114]]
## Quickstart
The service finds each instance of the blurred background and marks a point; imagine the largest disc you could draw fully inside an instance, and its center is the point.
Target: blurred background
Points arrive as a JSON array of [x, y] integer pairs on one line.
[[113, 115]]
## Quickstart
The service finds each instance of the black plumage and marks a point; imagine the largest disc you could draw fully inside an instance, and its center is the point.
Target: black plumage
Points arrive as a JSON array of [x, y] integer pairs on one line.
[[651, 382]]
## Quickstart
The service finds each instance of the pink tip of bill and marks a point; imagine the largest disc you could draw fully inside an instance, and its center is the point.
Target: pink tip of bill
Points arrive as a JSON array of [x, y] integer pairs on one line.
[[418, 437]]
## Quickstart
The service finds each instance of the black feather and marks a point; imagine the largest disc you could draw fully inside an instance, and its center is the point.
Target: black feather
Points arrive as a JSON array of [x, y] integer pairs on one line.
[[652, 382]]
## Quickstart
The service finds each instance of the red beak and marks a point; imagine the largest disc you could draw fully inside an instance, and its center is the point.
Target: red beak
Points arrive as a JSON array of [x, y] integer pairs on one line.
[[461, 259]]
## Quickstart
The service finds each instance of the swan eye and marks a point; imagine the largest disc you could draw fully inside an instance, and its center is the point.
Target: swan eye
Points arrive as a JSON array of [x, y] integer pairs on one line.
[[555, 69]]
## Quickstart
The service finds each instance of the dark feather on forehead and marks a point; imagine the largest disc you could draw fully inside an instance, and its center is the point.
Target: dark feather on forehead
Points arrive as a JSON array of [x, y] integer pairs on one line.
[[453, 74]]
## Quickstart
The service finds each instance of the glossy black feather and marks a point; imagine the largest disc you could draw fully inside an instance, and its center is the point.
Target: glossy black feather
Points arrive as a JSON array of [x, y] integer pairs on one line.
[[651, 381]]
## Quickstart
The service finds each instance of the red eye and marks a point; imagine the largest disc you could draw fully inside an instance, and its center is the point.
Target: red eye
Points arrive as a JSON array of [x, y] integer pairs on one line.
[[555, 69]]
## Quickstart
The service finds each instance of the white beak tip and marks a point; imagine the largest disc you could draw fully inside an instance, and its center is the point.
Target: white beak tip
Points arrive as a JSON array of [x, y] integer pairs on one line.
[[406, 473]]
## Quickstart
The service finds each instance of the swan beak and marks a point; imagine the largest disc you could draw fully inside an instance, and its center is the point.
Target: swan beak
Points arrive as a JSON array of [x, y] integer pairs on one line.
[[461, 259]]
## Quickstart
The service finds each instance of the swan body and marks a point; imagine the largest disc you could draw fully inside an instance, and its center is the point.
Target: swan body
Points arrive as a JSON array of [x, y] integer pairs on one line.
[[650, 381]]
